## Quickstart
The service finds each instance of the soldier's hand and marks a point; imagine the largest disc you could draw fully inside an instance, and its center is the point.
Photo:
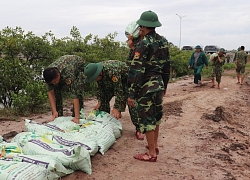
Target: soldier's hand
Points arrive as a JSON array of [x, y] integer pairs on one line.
[[54, 115], [131, 102], [76, 120], [188, 66], [98, 106], [117, 114]]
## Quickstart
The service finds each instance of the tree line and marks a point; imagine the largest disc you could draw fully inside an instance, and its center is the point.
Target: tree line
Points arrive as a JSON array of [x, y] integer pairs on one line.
[[24, 56]]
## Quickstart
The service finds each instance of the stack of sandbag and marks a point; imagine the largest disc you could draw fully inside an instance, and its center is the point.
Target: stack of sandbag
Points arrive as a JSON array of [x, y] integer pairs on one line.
[[60, 147]]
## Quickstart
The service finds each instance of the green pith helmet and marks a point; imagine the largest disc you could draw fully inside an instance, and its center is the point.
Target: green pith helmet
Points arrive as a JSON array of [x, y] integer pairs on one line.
[[222, 50], [149, 19], [198, 47], [92, 71]]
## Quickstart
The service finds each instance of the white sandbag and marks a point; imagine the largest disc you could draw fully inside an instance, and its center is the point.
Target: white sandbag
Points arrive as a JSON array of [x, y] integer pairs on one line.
[[47, 161], [103, 134], [132, 29], [65, 123], [7, 149], [76, 138], [105, 118], [24, 137], [1, 139], [212, 56], [66, 139], [32, 126], [75, 157], [10, 170]]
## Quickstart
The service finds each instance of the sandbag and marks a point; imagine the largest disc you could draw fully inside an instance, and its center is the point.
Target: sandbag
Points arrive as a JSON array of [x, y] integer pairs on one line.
[[47, 161], [102, 133], [132, 29], [65, 123], [32, 126], [75, 157], [10, 170], [105, 119]]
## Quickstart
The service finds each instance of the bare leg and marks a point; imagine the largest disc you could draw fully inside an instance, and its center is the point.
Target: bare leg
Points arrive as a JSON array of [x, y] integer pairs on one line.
[[242, 79], [150, 135], [212, 86], [238, 77], [156, 136], [218, 87]]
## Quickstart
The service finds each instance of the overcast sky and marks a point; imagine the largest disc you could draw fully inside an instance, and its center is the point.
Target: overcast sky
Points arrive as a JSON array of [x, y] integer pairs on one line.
[[225, 23]]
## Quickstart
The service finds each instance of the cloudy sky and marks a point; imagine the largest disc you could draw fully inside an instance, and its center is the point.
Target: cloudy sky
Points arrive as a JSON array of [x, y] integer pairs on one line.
[[225, 23]]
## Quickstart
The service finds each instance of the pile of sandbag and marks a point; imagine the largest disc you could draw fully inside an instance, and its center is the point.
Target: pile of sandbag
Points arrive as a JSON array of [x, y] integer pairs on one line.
[[57, 148]]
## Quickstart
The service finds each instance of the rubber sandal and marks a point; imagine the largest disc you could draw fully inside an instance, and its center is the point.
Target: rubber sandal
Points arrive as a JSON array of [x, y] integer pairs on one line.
[[149, 159], [156, 150], [139, 135]]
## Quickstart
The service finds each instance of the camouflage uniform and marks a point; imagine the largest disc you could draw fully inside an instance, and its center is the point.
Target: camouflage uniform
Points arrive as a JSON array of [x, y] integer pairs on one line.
[[71, 69], [241, 58], [113, 83], [217, 68], [147, 79]]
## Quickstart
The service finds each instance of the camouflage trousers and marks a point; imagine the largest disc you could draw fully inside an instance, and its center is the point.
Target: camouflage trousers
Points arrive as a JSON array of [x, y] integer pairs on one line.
[[217, 73], [134, 117], [105, 105], [59, 102], [150, 110]]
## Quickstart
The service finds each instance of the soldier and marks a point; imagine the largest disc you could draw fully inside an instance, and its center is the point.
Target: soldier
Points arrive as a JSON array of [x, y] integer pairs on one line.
[[65, 74], [147, 81], [240, 63], [235, 54], [134, 35], [218, 61], [196, 62], [228, 58], [111, 77]]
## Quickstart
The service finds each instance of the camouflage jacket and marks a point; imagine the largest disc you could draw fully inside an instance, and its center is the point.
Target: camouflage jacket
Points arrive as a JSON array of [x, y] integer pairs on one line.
[[114, 81], [149, 67], [71, 69], [241, 58], [216, 63]]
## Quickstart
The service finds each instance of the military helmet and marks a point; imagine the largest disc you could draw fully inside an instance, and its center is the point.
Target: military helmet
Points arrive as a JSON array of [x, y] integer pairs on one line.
[[222, 50], [92, 71], [198, 47], [149, 19]]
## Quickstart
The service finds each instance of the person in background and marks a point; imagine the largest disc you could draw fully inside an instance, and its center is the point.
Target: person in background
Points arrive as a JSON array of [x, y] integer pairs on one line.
[[217, 63], [228, 58], [111, 77], [196, 62], [65, 74], [234, 59], [147, 82], [240, 64]]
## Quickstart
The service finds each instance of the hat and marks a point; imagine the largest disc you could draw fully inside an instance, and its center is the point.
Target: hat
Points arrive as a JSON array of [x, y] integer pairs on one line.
[[149, 19], [222, 50], [92, 71], [198, 47]]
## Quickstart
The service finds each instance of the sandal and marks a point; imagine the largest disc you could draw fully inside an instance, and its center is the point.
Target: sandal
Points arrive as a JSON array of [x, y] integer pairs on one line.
[[156, 150], [139, 135], [149, 158]]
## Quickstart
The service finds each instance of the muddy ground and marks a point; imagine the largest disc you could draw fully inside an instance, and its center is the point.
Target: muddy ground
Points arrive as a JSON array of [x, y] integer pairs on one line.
[[204, 136]]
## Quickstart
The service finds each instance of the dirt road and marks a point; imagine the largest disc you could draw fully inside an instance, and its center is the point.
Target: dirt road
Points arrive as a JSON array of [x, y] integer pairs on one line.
[[204, 136]]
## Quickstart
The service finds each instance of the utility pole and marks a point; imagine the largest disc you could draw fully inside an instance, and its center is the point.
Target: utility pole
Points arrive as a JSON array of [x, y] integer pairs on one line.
[[180, 29]]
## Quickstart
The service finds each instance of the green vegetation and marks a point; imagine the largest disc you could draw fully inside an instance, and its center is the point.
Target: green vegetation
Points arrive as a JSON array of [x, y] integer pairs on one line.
[[25, 55]]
